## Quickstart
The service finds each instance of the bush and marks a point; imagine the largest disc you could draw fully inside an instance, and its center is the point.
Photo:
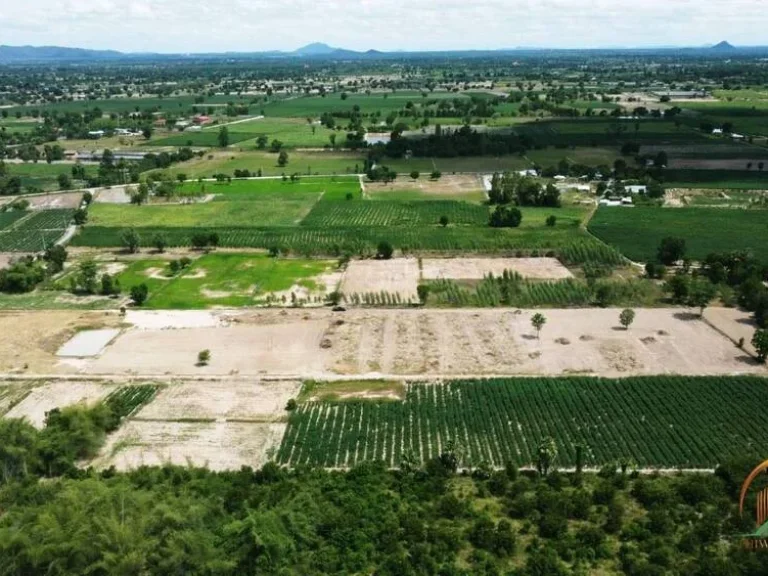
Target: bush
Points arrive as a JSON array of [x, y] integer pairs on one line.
[[139, 294], [203, 357], [506, 217], [291, 405], [384, 250], [423, 291], [551, 221]]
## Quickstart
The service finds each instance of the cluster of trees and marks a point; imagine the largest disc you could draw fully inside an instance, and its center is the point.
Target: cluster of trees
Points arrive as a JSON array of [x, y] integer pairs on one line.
[[25, 273], [462, 142], [416, 521], [505, 217], [522, 190]]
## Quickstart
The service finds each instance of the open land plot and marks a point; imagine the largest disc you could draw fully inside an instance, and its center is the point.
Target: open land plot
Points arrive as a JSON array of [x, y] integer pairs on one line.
[[232, 279], [87, 343], [468, 187], [57, 394], [479, 268], [466, 342], [658, 422], [637, 232], [31, 339], [232, 399], [66, 200], [215, 445], [397, 276], [256, 189]]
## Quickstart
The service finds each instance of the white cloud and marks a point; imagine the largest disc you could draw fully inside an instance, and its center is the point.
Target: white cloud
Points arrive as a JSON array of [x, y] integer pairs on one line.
[[251, 25]]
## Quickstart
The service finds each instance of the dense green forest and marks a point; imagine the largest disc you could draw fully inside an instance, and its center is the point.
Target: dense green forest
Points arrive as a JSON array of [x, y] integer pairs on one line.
[[56, 518]]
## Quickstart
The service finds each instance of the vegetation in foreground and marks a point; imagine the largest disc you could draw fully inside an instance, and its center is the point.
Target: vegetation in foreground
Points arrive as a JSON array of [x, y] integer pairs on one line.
[[416, 521]]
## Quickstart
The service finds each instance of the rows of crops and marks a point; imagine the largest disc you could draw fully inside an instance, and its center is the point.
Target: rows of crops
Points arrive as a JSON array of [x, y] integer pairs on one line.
[[35, 232], [128, 399], [513, 292], [384, 213], [638, 231], [574, 245], [665, 421], [8, 218]]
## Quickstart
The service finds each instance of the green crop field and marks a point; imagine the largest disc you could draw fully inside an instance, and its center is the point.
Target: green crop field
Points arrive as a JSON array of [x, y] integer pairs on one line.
[[257, 189], [383, 213], [128, 399], [314, 106], [35, 231], [725, 179], [224, 280], [205, 138], [43, 175], [664, 421], [637, 232]]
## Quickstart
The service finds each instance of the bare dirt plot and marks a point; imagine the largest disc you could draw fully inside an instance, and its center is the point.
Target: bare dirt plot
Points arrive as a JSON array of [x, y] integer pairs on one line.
[[59, 201], [478, 268], [117, 195], [285, 348], [481, 342], [87, 343], [30, 339], [466, 186], [230, 399], [46, 397], [396, 276], [7, 258], [734, 324], [12, 393], [216, 445], [158, 320]]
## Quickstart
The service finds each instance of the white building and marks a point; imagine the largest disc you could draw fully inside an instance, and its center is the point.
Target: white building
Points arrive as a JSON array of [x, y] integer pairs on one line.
[[636, 189]]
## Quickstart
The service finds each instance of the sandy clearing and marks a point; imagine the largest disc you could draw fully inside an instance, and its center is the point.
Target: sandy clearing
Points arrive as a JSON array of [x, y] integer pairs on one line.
[[87, 343], [734, 324], [50, 201], [399, 275], [113, 268], [230, 399], [276, 349], [478, 268], [416, 342], [215, 445], [115, 195], [7, 258], [165, 319], [447, 186], [45, 398], [30, 339]]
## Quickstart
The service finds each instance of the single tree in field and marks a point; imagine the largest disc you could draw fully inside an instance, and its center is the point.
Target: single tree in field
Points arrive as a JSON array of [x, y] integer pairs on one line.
[[435, 175], [139, 294], [626, 318], [671, 250], [701, 294], [415, 175], [160, 242], [551, 220], [537, 321], [223, 137], [203, 357], [546, 454], [384, 250], [282, 158], [760, 342], [443, 221], [131, 240]]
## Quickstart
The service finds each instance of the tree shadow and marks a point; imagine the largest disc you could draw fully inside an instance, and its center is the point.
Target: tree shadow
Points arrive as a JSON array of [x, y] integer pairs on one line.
[[686, 316], [748, 360], [529, 337]]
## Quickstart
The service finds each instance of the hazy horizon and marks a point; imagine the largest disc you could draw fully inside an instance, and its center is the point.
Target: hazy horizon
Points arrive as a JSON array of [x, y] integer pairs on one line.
[[194, 26]]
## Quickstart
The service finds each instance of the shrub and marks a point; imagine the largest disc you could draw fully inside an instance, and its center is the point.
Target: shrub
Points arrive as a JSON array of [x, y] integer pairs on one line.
[[139, 294], [384, 250], [203, 357]]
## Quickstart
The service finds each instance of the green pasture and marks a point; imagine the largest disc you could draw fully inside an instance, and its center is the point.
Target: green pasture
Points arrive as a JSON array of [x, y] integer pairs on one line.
[[636, 232], [223, 280]]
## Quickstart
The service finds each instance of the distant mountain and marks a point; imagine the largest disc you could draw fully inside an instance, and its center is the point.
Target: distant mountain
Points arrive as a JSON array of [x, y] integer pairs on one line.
[[315, 49], [11, 54], [724, 46]]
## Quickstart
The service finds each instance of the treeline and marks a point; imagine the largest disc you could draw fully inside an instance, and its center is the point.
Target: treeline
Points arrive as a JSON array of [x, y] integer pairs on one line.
[[430, 521], [462, 142]]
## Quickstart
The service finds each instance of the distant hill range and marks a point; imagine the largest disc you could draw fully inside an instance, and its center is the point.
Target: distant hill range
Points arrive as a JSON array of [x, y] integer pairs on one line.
[[317, 50]]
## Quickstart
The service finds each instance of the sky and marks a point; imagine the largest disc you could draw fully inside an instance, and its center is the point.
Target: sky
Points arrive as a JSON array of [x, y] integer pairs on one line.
[[182, 26]]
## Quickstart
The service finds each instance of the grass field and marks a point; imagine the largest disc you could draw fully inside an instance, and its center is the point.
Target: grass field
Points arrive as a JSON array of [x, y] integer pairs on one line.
[[223, 280], [43, 175], [637, 232], [662, 421], [206, 138], [725, 179], [258, 189]]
